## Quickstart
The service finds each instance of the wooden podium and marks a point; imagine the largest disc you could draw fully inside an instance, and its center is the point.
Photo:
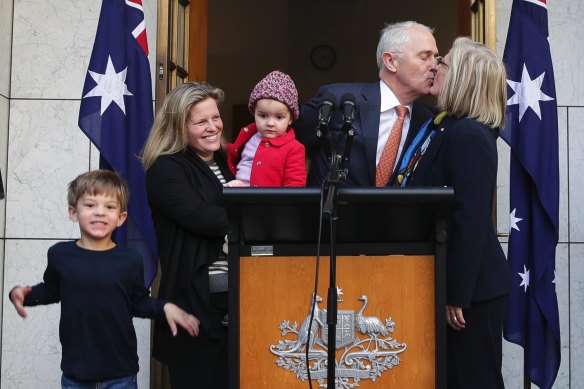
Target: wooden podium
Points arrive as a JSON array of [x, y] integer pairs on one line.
[[389, 250]]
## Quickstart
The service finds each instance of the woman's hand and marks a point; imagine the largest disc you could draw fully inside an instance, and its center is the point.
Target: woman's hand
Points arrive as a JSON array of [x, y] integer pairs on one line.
[[455, 318]]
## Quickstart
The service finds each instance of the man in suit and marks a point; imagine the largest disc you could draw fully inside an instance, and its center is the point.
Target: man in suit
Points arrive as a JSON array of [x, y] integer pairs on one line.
[[406, 58]]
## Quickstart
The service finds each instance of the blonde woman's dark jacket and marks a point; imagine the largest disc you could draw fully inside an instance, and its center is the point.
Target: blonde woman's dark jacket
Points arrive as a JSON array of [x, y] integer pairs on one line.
[[463, 155]]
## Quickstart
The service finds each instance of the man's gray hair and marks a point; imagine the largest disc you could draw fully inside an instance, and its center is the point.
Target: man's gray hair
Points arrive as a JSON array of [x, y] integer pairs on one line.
[[393, 37]]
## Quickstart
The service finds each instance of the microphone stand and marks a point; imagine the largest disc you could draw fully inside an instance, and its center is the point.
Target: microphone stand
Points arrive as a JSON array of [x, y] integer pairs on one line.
[[334, 176], [348, 144]]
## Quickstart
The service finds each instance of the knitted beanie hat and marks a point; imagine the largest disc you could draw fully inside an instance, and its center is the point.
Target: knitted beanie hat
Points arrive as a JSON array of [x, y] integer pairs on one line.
[[276, 86]]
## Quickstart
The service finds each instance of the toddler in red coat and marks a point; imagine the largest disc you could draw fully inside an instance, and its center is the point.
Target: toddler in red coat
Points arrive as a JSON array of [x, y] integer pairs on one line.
[[266, 152]]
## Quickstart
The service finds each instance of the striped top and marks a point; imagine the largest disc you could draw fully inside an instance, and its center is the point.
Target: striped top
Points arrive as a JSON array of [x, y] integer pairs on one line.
[[215, 169], [218, 270]]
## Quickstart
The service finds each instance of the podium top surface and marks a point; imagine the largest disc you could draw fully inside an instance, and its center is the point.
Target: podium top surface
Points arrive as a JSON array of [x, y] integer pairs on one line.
[[246, 195], [363, 215]]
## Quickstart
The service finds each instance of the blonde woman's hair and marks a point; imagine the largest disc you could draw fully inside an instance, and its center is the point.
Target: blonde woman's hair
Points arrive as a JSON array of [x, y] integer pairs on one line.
[[475, 84], [168, 134], [99, 182]]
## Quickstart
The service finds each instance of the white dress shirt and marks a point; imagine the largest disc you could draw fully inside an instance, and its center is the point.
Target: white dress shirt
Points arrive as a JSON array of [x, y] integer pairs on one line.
[[387, 118]]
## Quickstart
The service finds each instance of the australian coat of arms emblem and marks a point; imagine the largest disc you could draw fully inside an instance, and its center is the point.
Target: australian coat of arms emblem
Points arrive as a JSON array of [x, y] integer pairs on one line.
[[367, 343]]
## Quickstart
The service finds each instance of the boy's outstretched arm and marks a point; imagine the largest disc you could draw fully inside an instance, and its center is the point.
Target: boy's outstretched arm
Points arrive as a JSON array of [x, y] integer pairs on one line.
[[17, 296], [176, 315]]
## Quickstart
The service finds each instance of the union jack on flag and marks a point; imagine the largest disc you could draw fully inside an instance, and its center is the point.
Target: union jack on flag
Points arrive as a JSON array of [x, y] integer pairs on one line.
[[116, 114]]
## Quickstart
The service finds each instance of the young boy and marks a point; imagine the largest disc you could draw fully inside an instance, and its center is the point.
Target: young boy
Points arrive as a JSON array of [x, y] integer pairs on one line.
[[266, 152], [101, 287]]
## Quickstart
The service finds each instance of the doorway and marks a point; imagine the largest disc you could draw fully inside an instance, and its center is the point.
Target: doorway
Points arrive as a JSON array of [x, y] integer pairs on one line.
[[315, 41]]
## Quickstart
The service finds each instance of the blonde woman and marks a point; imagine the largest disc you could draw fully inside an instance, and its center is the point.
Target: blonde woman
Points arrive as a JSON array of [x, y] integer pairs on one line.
[[185, 174], [458, 149]]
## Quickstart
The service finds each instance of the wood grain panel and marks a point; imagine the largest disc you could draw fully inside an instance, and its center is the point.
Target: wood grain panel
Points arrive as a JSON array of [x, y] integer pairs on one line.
[[274, 289]]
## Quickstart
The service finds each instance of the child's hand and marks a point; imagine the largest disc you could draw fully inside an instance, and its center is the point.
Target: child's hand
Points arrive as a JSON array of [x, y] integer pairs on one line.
[[17, 296], [234, 183], [175, 315]]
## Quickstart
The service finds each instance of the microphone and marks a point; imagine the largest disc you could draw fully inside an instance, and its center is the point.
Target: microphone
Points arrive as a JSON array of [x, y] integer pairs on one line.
[[325, 110], [348, 103]]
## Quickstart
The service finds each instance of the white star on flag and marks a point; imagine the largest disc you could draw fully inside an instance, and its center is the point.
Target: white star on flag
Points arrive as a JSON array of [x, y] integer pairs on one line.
[[524, 278], [111, 86], [528, 93], [513, 221]]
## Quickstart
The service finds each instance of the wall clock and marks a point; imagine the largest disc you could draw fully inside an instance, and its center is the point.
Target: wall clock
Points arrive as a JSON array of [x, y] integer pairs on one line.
[[323, 57]]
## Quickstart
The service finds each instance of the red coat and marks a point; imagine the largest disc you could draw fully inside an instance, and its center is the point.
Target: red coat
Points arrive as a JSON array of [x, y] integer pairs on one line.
[[277, 162]]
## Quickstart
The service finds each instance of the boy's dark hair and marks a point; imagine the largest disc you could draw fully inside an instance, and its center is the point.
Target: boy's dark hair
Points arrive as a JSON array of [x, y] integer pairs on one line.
[[99, 182]]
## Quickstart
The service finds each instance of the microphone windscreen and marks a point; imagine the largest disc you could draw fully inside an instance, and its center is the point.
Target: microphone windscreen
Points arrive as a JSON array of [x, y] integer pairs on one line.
[[328, 98], [348, 97]]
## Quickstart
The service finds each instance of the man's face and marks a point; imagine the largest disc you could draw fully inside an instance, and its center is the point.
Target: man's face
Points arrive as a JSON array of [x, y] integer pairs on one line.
[[416, 64]]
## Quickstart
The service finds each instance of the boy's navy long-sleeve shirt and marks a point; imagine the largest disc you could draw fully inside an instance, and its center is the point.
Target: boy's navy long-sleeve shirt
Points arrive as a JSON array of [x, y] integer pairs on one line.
[[100, 292]]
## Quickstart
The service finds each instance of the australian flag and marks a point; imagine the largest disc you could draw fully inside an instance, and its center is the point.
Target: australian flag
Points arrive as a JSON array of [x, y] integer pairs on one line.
[[532, 133], [116, 114]]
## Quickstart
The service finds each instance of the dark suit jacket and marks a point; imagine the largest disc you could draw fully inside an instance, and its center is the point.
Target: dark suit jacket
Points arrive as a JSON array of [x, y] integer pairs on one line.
[[463, 155], [362, 157]]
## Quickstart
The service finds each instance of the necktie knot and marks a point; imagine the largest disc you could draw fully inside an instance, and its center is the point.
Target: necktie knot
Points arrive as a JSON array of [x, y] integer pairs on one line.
[[401, 112]]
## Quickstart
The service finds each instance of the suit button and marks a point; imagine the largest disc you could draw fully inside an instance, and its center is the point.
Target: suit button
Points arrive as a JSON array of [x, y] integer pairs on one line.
[[258, 163], [267, 144]]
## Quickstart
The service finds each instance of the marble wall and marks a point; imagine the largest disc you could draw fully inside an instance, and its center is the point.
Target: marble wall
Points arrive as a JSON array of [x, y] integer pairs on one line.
[[43, 149], [5, 59]]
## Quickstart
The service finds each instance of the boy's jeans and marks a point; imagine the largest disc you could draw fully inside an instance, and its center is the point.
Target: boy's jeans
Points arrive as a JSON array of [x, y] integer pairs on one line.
[[129, 382]]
